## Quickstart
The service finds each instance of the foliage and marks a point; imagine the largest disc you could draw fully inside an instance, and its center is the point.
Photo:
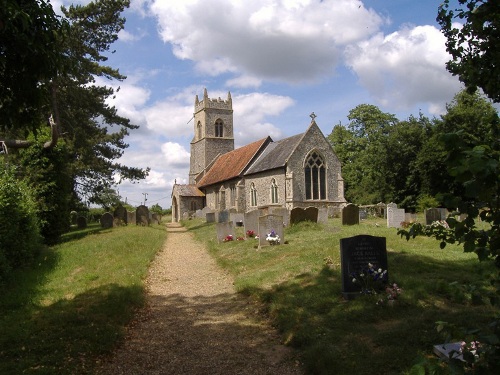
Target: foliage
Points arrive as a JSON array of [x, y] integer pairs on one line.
[[426, 201], [474, 46], [20, 237]]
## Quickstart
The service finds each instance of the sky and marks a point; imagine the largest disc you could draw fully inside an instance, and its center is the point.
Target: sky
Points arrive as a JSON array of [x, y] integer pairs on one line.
[[280, 59]]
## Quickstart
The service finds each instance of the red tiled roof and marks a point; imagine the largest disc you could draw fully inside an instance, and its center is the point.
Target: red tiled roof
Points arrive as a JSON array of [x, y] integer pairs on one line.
[[232, 164]]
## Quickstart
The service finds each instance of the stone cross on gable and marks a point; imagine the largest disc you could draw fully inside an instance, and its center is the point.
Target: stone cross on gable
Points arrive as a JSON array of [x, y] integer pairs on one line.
[[313, 116]]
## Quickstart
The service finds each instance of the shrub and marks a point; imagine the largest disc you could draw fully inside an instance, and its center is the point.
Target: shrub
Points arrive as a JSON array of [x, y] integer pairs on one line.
[[20, 238]]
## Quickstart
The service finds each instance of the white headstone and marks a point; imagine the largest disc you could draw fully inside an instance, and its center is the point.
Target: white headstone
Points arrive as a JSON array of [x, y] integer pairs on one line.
[[267, 224]]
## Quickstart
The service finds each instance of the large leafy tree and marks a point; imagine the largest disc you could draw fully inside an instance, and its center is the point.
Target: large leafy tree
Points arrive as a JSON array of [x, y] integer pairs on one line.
[[475, 46]]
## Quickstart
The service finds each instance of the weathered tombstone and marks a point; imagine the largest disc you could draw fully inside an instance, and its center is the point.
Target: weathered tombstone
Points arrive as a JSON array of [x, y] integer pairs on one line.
[[282, 211], [185, 216], [444, 213], [210, 217], [155, 218], [204, 211], [355, 254], [106, 220], [297, 215], [142, 215], [131, 217], [323, 215], [81, 222], [311, 214], [199, 214], [120, 215], [224, 230], [410, 218], [251, 221], [363, 214], [268, 223], [350, 214], [432, 215], [223, 216], [395, 216], [236, 219]]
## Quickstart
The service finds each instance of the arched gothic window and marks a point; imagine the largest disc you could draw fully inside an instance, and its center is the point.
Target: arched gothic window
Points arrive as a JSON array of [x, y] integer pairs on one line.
[[253, 195], [274, 191], [315, 176], [219, 128]]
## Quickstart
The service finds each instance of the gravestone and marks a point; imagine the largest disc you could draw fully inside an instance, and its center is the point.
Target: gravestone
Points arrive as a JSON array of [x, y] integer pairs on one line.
[[204, 211], [210, 217], [323, 215], [268, 223], [185, 216], [432, 215], [223, 216], [444, 213], [106, 220], [297, 215], [120, 215], [350, 214], [131, 217], [410, 218], [199, 214], [155, 218], [363, 214], [237, 219], [224, 230], [81, 222], [311, 214], [142, 215], [355, 254], [395, 216], [282, 211], [251, 221]]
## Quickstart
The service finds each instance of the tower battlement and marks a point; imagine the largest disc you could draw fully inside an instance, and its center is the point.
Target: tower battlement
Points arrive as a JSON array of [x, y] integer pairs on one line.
[[213, 103]]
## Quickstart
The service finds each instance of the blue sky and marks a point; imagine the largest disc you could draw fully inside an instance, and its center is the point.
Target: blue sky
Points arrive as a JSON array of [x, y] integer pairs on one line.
[[280, 59]]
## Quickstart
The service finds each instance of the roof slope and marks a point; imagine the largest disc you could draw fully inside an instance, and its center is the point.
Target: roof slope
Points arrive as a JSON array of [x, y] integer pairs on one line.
[[232, 164], [188, 191], [275, 155]]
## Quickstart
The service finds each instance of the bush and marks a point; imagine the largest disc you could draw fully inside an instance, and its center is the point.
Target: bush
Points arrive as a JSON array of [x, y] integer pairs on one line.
[[20, 238]]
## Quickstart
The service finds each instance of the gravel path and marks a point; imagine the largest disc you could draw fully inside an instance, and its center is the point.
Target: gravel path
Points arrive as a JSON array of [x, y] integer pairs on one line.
[[195, 323]]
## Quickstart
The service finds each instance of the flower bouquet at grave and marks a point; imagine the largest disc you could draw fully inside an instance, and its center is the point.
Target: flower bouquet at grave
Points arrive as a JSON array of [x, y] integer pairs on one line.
[[250, 233], [371, 279], [228, 238], [273, 238]]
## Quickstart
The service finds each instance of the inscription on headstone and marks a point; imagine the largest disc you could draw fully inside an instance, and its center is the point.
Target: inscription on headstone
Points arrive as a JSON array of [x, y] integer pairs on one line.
[[268, 223], [350, 214], [355, 254]]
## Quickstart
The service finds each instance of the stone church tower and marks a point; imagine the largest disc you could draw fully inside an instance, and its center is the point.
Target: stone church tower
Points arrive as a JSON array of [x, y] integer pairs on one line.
[[213, 133]]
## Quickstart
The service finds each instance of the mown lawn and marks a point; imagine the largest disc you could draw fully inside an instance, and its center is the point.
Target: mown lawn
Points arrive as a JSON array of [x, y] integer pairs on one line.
[[72, 306], [299, 287]]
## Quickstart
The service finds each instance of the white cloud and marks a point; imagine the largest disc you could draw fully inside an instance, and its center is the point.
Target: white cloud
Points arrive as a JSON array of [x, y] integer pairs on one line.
[[292, 41], [405, 68]]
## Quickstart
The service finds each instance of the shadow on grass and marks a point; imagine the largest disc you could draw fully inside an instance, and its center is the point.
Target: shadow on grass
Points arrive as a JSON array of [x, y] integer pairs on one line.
[[360, 337], [77, 234]]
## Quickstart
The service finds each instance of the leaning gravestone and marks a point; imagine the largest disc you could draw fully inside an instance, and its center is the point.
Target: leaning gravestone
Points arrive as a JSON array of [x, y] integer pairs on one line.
[[142, 215], [223, 216], [81, 222], [251, 221], [432, 215], [120, 215], [224, 230], [106, 220], [210, 217], [355, 254], [323, 215], [297, 215], [268, 223], [395, 216], [350, 214], [131, 217], [311, 214]]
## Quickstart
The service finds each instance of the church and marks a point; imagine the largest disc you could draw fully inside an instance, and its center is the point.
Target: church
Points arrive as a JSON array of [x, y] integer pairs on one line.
[[298, 171]]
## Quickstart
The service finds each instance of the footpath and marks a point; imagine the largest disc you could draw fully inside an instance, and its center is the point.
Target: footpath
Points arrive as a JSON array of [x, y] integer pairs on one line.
[[195, 323]]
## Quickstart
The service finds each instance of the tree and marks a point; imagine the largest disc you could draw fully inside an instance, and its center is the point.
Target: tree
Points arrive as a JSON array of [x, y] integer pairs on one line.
[[475, 47]]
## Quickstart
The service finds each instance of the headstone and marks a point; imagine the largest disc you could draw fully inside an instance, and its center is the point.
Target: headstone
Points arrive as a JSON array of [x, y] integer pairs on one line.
[[224, 230], [237, 219], [432, 215], [410, 218], [297, 215], [311, 214], [106, 220], [323, 215], [251, 221], [355, 254], [444, 213], [282, 211], [155, 218], [131, 217], [204, 211], [363, 214], [120, 213], [395, 216], [185, 216], [350, 215], [81, 222], [268, 223], [142, 215], [210, 217], [199, 214], [223, 216]]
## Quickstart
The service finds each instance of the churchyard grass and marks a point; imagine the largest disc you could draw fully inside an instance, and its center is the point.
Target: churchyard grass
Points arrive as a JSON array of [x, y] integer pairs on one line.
[[60, 316], [298, 286]]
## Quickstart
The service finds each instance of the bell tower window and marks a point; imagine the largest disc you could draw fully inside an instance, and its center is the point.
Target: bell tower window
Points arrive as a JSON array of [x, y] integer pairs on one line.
[[219, 128], [198, 130]]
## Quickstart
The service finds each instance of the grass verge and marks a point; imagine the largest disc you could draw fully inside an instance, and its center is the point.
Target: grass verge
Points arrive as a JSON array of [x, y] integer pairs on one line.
[[299, 285], [72, 307]]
